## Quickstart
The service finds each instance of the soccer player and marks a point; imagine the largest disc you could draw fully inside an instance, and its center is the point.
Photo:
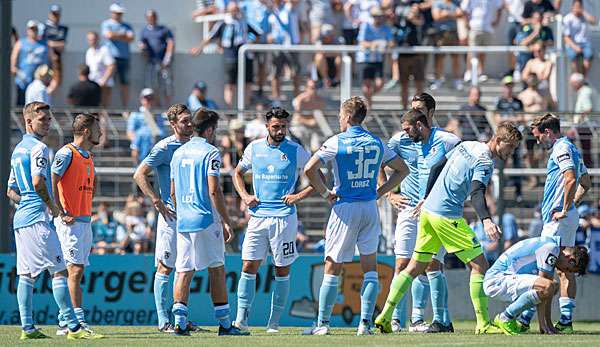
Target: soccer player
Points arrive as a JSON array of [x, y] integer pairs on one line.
[[276, 164], [466, 169], [201, 231], [73, 185], [524, 276], [159, 161], [356, 156], [421, 146], [38, 246], [558, 210]]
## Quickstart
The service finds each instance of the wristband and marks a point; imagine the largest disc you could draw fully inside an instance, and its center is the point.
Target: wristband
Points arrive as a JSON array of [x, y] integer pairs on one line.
[[325, 194]]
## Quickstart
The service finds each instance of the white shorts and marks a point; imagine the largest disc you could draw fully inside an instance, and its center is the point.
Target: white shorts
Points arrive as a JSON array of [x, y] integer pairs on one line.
[[166, 242], [275, 233], [38, 249], [352, 225], [507, 287], [199, 250], [405, 236], [566, 228], [76, 241]]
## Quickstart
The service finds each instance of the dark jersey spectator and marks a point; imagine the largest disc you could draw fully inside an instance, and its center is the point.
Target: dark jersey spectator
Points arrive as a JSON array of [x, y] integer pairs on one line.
[[473, 123], [542, 6], [85, 93], [55, 35]]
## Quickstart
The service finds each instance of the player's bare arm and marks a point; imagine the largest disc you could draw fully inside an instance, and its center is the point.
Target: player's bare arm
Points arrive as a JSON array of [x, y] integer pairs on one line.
[[218, 201], [64, 216], [292, 199], [39, 184], [13, 195], [141, 178], [312, 170], [544, 309], [585, 183], [240, 187], [173, 193], [399, 173], [570, 183], [399, 201]]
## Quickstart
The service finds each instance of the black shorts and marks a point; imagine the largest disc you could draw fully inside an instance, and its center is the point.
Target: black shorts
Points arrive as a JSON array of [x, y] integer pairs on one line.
[[371, 71], [122, 70], [231, 71], [350, 36], [281, 59]]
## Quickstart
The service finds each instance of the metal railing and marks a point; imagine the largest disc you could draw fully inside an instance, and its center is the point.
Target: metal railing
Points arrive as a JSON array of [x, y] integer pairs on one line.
[[207, 20]]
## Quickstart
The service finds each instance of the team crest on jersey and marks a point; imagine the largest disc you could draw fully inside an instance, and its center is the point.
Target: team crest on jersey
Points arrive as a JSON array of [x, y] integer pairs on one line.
[[41, 162], [215, 165], [551, 260], [271, 168], [284, 157], [563, 157]]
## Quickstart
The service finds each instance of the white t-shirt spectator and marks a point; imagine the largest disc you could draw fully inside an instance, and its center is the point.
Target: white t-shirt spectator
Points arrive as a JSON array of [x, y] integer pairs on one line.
[[481, 13], [37, 91], [515, 10], [576, 28], [364, 7], [98, 60]]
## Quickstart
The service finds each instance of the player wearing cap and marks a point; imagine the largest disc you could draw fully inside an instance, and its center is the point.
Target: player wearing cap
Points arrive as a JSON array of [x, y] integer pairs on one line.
[[38, 246], [159, 162], [73, 185]]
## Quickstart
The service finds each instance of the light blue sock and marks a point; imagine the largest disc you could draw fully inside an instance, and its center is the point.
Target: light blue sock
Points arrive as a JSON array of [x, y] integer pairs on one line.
[[327, 295], [436, 283], [368, 295], [400, 311], [566, 309], [25, 300], [222, 315], [180, 312], [526, 301], [279, 299], [161, 282], [61, 320], [80, 314], [245, 293], [447, 317], [60, 290], [527, 315], [420, 294]]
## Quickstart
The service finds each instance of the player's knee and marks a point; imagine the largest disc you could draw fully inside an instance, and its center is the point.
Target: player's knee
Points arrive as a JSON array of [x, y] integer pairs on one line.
[[216, 265], [282, 271], [547, 289], [75, 270], [250, 266], [163, 269], [435, 265]]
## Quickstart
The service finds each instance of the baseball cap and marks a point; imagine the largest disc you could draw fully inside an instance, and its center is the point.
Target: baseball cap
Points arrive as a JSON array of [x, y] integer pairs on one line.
[[200, 85], [32, 23], [115, 7], [508, 79], [146, 92], [55, 8]]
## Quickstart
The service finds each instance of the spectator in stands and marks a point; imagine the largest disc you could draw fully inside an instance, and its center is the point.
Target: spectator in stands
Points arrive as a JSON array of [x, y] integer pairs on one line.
[[577, 40], [285, 30], [545, 7], [239, 216], [328, 64], [407, 23], [144, 128], [102, 66], [374, 38], [515, 22], [352, 21], [204, 8], [158, 46], [533, 100], [483, 16], [307, 107], [257, 14], [104, 230], [84, 93], [119, 35], [198, 98], [320, 13], [39, 89], [584, 104], [540, 67], [476, 112], [445, 13], [338, 19], [231, 35], [233, 145], [27, 55], [138, 232], [533, 34], [55, 35]]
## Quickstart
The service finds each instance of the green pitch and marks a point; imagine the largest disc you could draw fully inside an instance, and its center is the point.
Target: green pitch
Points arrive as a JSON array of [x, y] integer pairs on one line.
[[588, 335]]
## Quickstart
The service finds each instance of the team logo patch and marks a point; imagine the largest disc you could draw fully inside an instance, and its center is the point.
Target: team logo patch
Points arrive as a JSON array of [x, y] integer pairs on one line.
[[41, 162], [563, 157], [551, 260], [72, 252], [284, 157], [58, 161], [215, 165]]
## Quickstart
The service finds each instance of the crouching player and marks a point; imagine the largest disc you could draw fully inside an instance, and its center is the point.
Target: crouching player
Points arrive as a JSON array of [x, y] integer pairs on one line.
[[201, 231], [524, 275]]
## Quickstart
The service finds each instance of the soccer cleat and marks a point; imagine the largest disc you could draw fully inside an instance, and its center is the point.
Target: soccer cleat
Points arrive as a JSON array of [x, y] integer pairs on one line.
[[317, 330], [177, 331], [437, 327], [62, 331], [196, 328], [508, 327], [450, 328], [86, 326], [488, 328], [419, 326], [232, 331], [564, 328], [241, 326], [383, 324], [396, 328], [364, 328], [83, 334], [33, 333], [167, 328], [523, 327], [272, 330]]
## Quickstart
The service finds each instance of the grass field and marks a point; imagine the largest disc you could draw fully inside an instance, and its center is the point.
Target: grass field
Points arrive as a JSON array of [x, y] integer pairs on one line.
[[588, 335]]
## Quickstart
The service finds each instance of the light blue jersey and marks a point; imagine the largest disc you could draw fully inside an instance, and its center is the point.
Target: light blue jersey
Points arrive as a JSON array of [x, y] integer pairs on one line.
[[356, 157], [406, 149], [564, 156], [368, 32], [160, 160], [191, 165], [529, 256], [275, 171], [28, 160], [469, 161]]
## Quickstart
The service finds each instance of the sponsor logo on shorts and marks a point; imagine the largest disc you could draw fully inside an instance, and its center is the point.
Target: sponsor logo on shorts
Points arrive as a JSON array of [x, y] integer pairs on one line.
[[563, 157], [58, 259], [455, 223], [167, 254], [474, 240], [551, 260], [72, 252]]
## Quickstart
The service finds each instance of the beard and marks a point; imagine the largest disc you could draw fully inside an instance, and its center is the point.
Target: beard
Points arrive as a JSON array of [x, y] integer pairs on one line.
[[277, 138]]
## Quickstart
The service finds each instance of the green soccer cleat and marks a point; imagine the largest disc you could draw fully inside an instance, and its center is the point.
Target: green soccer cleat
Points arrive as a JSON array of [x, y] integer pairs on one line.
[[83, 334], [564, 328], [523, 328], [488, 328], [383, 324], [32, 334], [509, 327]]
